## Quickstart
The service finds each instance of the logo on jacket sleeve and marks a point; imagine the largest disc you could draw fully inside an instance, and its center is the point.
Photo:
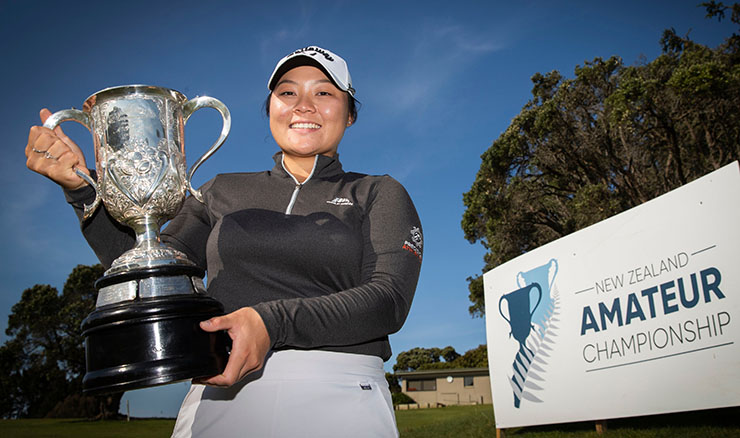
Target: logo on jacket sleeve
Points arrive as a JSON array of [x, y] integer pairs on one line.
[[416, 244]]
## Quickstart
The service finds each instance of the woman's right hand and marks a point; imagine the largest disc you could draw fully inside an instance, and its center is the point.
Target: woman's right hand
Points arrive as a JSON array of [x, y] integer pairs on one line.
[[250, 345], [52, 154]]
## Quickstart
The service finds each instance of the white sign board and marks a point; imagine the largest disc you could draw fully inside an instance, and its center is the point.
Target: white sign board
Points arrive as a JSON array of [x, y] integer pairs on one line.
[[636, 315]]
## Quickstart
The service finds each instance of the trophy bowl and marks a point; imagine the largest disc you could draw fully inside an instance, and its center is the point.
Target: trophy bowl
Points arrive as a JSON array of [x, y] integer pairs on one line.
[[145, 329]]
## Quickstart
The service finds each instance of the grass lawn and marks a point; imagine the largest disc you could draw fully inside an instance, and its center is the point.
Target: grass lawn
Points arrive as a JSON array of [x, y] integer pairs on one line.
[[62, 428], [477, 421], [452, 422]]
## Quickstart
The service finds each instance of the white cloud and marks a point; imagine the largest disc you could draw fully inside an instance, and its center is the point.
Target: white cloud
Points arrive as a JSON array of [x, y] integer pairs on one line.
[[437, 55]]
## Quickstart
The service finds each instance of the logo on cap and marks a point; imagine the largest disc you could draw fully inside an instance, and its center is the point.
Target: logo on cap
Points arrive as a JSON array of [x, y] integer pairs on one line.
[[315, 50]]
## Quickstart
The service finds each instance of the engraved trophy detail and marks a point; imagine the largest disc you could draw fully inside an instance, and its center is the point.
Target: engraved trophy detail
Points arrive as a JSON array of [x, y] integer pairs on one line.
[[144, 330]]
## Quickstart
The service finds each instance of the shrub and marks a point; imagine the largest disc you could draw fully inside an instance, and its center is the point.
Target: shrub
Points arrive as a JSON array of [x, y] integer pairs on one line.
[[401, 398]]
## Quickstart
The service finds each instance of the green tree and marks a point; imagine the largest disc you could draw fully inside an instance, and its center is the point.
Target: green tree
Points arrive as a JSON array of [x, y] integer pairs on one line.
[[718, 9], [37, 375], [449, 354], [400, 398], [615, 136], [475, 358], [43, 362], [393, 385], [440, 358], [416, 357]]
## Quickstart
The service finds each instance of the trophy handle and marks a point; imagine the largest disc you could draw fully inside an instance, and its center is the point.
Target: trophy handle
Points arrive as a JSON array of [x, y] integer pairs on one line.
[[188, 109], [539, 298], [82, 118], [499, 309]]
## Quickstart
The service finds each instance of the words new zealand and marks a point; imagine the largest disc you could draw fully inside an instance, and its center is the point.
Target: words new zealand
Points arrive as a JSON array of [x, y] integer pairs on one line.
[[686, 292]]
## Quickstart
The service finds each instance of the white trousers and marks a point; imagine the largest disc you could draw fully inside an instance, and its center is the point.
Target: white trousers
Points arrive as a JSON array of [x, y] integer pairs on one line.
[[296, 394]]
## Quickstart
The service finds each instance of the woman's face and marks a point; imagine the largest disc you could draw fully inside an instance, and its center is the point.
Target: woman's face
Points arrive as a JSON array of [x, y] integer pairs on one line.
[[308, 114]]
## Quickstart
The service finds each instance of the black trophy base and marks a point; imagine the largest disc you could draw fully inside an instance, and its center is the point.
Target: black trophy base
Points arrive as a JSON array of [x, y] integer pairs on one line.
[[152, 341]]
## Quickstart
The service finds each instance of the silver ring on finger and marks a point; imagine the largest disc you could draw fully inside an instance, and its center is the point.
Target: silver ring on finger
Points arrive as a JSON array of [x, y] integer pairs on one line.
[[49, 156], [38, 151]]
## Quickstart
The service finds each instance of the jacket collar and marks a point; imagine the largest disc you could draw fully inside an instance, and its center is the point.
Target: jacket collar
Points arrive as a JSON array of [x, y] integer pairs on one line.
[[324, 166]]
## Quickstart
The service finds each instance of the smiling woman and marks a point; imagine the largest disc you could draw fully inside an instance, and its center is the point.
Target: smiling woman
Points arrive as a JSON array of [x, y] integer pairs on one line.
[[308, 116], [316, 267]]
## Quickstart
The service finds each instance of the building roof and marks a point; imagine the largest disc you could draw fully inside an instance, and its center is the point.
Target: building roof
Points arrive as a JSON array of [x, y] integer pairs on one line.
[[443, 372]]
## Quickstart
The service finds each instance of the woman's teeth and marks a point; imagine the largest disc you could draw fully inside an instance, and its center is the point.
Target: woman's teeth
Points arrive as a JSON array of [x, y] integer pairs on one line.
[[305, 126]]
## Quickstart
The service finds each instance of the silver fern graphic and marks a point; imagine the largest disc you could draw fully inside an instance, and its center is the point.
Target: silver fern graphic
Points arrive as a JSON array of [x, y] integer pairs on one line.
[[531, 362]]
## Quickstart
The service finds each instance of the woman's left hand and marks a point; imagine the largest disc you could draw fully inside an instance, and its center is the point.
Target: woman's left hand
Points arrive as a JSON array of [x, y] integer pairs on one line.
[[251, 342]]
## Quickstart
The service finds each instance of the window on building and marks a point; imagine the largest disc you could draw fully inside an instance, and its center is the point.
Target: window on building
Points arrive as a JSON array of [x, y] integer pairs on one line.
[[421, 385], [468, 381]]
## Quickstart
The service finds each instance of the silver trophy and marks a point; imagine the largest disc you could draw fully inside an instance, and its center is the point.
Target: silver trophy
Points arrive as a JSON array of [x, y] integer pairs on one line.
[[144, 330]]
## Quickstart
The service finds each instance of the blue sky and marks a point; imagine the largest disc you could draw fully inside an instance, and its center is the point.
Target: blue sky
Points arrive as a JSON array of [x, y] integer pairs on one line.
[[438, 82]]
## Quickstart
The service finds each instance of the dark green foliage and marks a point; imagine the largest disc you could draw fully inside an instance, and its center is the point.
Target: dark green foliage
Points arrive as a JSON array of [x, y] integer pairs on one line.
[[393, 385], [401, 398], [449, 354], [613, 137], [475, 358], [43, 362], [416, 357], [75, 406], [718, 9], [440, 358]]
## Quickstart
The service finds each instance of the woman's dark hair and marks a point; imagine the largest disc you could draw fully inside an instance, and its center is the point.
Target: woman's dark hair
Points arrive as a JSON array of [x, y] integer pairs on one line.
[[353, 105]]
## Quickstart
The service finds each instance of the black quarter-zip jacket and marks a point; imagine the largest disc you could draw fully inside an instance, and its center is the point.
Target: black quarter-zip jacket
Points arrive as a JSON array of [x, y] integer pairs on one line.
[[331, 263]]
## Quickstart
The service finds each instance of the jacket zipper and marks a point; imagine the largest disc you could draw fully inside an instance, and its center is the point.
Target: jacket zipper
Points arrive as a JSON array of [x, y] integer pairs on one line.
[[298, 185]]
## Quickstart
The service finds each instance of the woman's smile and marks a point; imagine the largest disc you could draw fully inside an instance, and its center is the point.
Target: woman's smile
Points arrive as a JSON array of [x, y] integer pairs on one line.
[[305, 125]]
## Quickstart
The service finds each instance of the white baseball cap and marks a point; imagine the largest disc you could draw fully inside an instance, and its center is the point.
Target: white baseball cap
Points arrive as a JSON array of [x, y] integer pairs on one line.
[[330, 63]]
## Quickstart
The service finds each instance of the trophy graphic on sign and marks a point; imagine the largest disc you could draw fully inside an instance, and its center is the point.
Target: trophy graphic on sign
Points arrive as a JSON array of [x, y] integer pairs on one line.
[[531, 326], [520, 312]]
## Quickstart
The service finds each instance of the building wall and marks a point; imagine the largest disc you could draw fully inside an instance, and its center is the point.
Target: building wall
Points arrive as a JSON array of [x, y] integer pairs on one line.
[[455, 392]]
